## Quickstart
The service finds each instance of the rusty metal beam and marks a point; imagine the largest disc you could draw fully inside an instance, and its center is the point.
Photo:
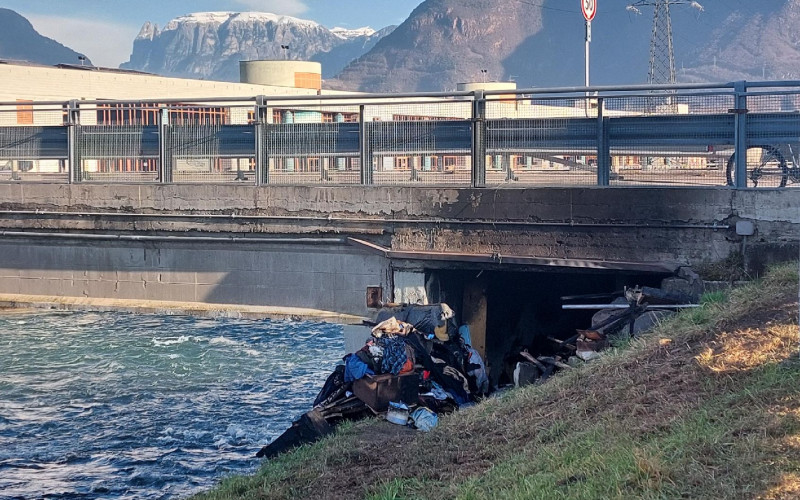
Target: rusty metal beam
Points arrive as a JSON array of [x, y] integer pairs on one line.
[[517, 260]]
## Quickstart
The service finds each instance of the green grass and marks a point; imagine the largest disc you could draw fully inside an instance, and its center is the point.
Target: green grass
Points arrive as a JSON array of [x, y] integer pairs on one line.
[[706, 406]]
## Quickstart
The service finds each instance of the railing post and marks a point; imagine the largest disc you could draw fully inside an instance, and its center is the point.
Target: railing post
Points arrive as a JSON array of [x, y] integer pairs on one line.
[[164, 146], [261, 129], [603, 148], [478, 152], [73, 137], [365, 151], [740, 134]]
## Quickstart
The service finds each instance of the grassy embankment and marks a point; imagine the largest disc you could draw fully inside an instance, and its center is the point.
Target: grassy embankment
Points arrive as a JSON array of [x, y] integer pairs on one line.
[[706, 406]]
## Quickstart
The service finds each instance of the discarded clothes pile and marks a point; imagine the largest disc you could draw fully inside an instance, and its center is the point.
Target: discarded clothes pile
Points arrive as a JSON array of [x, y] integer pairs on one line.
[[416, 358]]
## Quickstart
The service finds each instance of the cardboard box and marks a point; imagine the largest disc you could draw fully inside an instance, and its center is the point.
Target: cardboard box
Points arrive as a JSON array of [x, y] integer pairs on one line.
[[377, 391]]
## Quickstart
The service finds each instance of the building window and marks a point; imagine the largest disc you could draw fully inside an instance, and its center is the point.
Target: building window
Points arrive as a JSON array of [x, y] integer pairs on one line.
[[147, 114], [453, 162], [24, 112], [333, 117], [127, 165], [127, 114], [199, 115], [308, 80], [422, 118]]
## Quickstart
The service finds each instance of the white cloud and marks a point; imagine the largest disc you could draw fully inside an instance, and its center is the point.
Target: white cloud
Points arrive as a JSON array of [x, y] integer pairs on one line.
[[285, 7], [105, 43]]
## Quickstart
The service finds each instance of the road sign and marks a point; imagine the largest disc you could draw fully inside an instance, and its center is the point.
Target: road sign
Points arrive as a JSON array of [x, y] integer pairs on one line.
[[589, 9]]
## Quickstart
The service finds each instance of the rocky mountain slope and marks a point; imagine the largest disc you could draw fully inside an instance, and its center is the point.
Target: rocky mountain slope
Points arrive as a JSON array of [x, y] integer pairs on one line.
[[541, 43], [20, 41], [762, 44], [210, 45]]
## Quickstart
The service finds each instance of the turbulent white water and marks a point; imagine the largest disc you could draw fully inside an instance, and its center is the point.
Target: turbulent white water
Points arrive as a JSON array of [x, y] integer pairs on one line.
[[126, 406]]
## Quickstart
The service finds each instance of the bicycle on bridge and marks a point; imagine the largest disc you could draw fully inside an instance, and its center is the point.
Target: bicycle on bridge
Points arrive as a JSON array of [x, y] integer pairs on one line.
[[767, 166]]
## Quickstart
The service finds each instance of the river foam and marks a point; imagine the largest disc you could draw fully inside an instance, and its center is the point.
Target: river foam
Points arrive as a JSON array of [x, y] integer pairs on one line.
[[117, 405]]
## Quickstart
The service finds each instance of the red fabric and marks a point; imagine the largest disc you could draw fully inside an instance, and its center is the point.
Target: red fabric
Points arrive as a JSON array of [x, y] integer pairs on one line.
[[408, 367]]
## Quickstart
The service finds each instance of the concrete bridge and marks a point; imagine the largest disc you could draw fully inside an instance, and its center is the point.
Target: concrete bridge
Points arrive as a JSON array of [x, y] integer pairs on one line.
[[499, 256], [321, 247], [581, 196]]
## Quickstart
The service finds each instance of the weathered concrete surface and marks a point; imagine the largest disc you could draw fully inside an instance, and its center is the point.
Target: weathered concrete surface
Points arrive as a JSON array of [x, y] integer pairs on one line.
[[682, 225], [330, 278], [579, 205], [634, 224]]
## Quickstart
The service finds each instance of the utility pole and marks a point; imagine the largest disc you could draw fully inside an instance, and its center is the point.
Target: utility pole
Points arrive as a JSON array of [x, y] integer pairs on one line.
[[662, 53]]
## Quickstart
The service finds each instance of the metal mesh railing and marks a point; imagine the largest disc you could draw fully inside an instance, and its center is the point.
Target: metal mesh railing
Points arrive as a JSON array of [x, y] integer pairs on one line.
[[772, 140], [312, 144], [669, 139], [210, 144], [420, 143], [118, 142], [658, 136], [547, 142], [118, 153], [33, 144]]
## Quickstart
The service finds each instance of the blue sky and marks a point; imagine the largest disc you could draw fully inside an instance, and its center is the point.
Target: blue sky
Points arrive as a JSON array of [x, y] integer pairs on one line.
[[104, 29]]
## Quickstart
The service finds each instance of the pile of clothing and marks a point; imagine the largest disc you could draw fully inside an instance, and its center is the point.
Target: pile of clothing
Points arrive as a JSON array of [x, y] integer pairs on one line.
[[416, 355]]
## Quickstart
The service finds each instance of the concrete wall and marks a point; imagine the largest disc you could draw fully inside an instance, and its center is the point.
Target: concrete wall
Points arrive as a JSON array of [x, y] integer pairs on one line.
[[443, 219], [684, 226], [330, 278]]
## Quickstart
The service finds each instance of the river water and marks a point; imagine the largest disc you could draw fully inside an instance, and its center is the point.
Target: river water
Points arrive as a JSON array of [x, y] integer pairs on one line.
[[114, 405]]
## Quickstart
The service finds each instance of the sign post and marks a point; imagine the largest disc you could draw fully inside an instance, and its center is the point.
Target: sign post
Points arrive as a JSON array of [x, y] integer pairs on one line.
[[589, 9]]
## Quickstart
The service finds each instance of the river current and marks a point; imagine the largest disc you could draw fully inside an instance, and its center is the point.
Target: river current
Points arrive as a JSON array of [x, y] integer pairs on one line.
[[114, 405]]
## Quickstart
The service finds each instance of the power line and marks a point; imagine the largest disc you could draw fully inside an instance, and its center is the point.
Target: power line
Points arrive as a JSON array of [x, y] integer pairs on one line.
[[534, 4]]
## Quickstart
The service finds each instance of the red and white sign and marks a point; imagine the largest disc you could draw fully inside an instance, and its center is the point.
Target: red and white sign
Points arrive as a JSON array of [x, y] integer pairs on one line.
[[589, 9]]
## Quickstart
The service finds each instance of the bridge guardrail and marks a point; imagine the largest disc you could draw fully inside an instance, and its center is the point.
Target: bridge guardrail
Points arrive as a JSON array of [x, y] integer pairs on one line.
[[654, 135]]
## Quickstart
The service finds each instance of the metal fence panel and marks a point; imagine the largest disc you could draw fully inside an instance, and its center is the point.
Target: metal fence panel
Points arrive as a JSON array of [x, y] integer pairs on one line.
[[209, 142], [669, 139], [420, 143], [541, 142], [662, 135], [118, 153], [772, 140], [33, 143], [313, 152], [211, 153]]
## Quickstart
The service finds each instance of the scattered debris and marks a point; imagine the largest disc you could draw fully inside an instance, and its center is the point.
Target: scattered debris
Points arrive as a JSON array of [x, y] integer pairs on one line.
[[416, 364], [634, 310]]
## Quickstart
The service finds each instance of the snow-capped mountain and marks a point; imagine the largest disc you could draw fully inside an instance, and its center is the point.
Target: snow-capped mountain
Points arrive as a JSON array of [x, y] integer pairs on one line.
[[350, 34], [209, 45]]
